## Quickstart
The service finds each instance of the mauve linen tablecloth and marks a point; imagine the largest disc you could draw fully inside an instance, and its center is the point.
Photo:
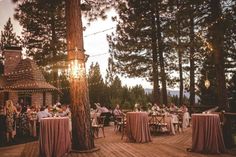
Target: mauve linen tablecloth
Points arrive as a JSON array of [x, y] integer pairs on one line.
[[54, 140], [207, 135], [137, 128]]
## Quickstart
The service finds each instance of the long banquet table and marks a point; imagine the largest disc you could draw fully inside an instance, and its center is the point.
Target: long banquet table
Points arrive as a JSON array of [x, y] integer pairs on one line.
[[54, 140], [137, 128], [207, 134]]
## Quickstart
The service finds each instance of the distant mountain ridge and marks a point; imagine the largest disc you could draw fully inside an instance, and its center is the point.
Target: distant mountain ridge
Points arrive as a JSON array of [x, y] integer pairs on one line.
[[172, 93]]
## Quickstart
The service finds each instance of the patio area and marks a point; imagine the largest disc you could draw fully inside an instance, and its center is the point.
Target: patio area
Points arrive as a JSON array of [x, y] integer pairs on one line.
[[112, 146]]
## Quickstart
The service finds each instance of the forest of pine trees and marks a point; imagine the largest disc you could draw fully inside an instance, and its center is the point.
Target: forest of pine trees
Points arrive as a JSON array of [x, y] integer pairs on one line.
[[173, 44]]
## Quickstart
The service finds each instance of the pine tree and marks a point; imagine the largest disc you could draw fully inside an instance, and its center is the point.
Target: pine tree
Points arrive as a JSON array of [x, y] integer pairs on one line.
[[216, 37], [96, 85], [110, 72], [81, 123], [192, 53], [138, 95], [116, 91], [208, 95], [44, 30], [135, 43], [8, 37]]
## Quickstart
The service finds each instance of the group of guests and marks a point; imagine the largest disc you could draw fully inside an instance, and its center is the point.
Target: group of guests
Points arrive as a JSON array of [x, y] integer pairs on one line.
[[57, 110], [8, 115], [22, 120], [171, 109], [101, 110]]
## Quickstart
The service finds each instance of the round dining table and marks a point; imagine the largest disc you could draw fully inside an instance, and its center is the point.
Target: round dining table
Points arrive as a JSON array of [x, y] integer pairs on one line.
[[207, 135], [137, 128], [54, 138]]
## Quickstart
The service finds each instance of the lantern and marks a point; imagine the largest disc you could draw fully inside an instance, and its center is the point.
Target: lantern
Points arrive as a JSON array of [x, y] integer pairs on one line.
[[207, 83], [76, 69], [76, 66]]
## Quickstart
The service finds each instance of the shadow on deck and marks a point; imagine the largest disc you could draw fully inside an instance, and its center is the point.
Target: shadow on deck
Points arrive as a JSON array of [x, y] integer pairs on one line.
[[113, 146]]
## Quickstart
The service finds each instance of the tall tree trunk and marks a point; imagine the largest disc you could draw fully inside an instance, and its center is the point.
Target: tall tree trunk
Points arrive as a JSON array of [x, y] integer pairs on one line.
[[217, 40], [161, 58], [82, 138], [156, 89], [54, 53], [192, 64], [181, 86]]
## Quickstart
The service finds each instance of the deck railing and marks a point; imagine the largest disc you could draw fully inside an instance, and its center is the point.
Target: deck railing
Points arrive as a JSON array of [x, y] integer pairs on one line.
[[229, 129]]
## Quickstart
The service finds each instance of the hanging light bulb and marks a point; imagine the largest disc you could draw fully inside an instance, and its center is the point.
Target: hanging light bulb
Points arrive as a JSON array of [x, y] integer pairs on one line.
[[207, 82]]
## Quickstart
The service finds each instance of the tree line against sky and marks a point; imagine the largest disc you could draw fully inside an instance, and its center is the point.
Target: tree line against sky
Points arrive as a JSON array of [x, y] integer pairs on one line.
[[170, 43]]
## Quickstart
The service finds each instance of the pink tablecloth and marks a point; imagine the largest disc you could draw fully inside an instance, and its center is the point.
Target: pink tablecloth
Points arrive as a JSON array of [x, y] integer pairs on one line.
[[207, 135], [54, 140], [137, 127]]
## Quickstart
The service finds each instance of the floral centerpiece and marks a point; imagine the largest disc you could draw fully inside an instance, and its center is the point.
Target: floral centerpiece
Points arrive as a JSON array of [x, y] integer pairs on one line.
[[54, 111]]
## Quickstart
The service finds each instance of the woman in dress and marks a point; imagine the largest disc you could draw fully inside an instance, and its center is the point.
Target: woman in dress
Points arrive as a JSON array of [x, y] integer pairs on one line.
[[24, 122], [10, 120]]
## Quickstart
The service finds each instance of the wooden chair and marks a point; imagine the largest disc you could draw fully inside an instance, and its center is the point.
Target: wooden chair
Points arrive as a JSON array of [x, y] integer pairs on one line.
[[153, 123], [117, 122], [99, 126], [157, 123], [179, 124], [161, 124], [122, 126]]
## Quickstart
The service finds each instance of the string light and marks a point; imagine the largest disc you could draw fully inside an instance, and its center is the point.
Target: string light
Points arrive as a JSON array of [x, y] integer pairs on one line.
[[209, 46], [14, 88], [102, 31]]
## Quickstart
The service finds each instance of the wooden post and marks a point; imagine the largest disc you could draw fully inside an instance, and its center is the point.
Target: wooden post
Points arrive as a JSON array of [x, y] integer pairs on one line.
[[82, 137]]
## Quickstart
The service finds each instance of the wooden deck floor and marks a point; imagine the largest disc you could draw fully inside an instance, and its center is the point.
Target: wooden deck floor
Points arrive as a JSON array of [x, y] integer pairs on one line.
[[113, 146]]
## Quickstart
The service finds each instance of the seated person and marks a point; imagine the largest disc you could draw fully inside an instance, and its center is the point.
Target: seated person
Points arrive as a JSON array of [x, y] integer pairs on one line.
[[48, 109], [43, 114], [98, 109], [173, 107], [105, 112], [95, 113], [155, 107], [64, 112], [186, 116], [104, 109], [117, 111]]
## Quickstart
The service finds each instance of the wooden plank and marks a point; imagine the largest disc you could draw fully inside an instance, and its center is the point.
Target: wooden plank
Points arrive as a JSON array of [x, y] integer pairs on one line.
[[113, 146]]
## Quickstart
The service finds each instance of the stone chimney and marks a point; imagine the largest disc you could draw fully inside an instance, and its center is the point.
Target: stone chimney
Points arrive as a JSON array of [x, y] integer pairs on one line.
[[12, 57]]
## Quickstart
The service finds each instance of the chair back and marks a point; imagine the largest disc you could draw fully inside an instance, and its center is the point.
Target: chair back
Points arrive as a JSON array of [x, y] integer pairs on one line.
[[101, 120]]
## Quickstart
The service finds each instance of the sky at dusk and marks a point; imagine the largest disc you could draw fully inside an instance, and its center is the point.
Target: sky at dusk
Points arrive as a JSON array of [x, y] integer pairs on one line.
[[96, 45]]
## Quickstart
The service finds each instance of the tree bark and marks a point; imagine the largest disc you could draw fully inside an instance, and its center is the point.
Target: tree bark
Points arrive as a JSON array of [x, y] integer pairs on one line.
[[179, 49], [55, 95], [181, 86], [156, 90], [192, 64], [161, 58], [217, 39], [82, 137]]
